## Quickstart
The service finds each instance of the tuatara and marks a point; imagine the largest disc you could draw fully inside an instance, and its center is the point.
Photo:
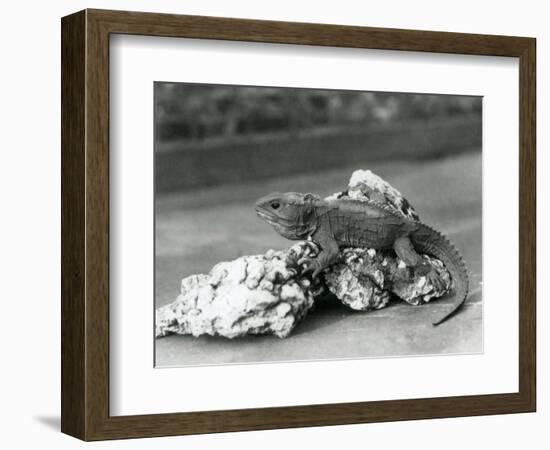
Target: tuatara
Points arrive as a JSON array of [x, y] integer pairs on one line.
[[333, 224]]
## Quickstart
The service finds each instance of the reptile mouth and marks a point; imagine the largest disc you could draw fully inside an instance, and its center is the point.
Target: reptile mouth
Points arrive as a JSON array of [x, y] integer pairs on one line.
[[261, 213]]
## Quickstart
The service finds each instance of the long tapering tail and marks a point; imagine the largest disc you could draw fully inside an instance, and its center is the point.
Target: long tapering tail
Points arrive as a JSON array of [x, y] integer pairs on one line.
[[431, 242]]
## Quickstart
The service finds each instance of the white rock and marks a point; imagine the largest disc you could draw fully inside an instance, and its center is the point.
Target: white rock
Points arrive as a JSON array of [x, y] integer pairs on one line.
[[251, 295]]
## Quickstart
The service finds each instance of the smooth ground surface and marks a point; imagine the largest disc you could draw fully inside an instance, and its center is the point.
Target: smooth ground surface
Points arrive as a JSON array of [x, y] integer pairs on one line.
[[196, 230]]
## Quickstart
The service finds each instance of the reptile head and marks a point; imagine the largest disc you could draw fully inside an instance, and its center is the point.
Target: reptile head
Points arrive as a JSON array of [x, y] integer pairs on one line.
[[291, 214]]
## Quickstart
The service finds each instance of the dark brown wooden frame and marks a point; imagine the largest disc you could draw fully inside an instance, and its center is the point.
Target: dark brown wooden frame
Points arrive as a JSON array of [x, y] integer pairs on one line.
[[85, 224]]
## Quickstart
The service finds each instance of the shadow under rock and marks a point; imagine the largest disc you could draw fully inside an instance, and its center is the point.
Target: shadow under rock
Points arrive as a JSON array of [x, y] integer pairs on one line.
[[328, 311]]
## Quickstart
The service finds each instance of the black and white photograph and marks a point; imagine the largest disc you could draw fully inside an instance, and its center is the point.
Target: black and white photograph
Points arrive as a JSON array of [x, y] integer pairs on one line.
[[296, 224], [251, 225]]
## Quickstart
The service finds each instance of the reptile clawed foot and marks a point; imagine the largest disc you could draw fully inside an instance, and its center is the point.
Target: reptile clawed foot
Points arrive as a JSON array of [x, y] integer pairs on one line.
[[310, 266], [435, 280], [422, 270]]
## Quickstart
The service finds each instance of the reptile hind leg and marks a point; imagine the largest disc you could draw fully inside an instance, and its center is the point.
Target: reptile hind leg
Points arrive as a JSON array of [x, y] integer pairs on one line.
[[405, 251]]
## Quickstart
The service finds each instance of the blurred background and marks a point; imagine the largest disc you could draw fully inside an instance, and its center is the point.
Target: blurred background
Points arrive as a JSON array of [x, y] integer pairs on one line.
[[219, 148], [214, 133]]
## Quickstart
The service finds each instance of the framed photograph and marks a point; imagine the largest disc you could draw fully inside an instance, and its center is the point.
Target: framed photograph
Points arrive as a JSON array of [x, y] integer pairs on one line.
[[272, 225]]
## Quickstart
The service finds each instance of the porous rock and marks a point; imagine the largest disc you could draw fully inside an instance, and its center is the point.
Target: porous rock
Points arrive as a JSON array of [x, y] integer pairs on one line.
[[364, 279], [260, 294]]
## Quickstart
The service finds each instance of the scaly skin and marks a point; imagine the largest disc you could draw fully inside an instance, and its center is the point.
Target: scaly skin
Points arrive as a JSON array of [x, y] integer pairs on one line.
[[333, 224]]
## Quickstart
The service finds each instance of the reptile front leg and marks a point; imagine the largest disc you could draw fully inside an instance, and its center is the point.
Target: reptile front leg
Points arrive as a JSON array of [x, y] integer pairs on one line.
[[327, 256]]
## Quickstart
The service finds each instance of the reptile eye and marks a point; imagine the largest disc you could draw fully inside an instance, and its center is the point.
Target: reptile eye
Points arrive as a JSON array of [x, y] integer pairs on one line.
[[275, 205]]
